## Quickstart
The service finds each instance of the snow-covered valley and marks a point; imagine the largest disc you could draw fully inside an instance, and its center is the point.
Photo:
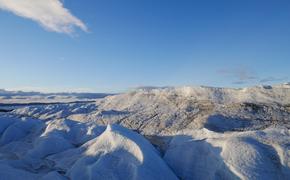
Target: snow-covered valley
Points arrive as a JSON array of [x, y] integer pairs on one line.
[[148, 133]]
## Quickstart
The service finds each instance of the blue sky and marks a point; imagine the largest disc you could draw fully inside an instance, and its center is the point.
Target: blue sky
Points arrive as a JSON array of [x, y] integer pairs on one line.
[[113, 45]]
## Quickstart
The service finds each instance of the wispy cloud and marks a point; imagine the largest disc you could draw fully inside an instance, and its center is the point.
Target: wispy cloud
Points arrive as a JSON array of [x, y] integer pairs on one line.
[[50, 14], [239, 75], [273, 79], [243, 75]]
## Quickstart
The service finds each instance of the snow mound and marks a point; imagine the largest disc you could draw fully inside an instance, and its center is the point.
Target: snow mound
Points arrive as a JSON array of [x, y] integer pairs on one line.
[[117, 153], [251, 159], [247, 155], [66, 149], [196, 159]]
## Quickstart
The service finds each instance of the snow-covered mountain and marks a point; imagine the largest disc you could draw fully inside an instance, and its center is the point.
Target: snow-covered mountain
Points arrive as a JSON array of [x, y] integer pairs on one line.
[[162, 133]]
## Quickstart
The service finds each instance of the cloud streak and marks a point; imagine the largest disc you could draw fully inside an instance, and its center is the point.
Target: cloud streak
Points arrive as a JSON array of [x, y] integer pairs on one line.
[[273, 79], [243, 75], [50, 14], [240, 75]]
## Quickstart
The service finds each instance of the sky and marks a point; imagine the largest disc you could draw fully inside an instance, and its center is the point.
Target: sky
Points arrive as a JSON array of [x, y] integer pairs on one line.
[[113, 45]]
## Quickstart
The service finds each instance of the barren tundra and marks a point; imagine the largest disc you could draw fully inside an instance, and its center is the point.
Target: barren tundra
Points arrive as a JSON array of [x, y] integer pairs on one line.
[[148, 133]]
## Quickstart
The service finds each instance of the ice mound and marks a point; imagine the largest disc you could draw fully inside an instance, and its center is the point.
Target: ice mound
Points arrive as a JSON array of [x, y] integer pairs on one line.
[[196, 159], [65, 149], [251, 155], [117, 153]]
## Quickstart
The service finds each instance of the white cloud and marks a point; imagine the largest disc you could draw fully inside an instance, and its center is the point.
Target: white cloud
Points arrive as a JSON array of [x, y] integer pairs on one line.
[[50, 14]]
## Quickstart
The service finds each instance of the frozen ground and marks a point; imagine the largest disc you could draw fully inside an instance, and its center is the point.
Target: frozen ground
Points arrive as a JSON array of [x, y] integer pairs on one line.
[[149, 133]]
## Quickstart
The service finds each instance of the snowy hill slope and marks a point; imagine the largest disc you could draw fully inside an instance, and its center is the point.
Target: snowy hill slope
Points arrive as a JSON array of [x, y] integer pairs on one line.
[[167, 110], [196, 133]]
